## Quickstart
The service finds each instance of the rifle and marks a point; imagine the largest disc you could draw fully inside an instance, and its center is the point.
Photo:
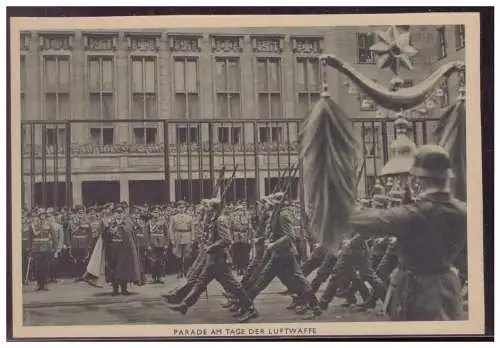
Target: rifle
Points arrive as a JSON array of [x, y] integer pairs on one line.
[[288, 182], [281, 177], [26, 278]]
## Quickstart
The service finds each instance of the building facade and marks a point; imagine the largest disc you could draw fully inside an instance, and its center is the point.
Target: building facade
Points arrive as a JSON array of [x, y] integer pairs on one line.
[[152, 116]]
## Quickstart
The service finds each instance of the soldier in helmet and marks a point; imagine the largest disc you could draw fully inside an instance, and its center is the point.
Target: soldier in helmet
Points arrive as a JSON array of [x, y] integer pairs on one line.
[[81, 241], [216, 267], [181, 234], [431, 232], [283, 257], [45, 243], [157, 244]]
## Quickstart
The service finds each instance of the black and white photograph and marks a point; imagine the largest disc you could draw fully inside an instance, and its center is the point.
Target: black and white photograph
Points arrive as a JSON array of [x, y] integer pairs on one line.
[[244, 175]]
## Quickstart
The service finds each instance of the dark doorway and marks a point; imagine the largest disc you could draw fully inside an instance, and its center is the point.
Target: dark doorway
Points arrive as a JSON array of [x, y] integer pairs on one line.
[[100, 192], [51, 194], [279, 184], [193, 190], [148, 191]]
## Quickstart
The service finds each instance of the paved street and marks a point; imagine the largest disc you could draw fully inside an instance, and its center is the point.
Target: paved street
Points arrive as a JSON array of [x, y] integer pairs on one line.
[[68, 303]]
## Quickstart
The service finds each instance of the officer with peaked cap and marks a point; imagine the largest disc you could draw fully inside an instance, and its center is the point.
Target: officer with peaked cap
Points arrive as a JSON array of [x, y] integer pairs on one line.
[[157, 244], [431, 232], [181, 229], [45, 243], [81, 241]]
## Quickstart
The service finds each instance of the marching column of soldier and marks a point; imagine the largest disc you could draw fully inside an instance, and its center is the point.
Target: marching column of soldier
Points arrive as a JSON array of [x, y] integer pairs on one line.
[[379, 260]]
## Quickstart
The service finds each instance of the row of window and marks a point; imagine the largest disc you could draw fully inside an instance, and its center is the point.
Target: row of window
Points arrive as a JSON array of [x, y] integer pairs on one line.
[[442, 43], [149, 135], [186, 85]]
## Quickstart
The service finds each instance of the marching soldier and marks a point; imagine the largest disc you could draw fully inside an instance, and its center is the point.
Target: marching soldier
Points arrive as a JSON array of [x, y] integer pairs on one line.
[[81, 241], [122, 258], [45, 241], [217, 268], [181, 235], [156, 232], [431, 232], [283, 262]]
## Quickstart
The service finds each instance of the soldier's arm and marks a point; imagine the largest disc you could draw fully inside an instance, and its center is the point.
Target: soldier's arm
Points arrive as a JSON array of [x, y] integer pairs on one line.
[[376, 223], [285, 223], [171, 229], [224, 239]]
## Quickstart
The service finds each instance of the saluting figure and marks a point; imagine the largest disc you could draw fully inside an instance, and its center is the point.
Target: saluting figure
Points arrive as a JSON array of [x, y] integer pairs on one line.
[[431, 232], [45, 243]]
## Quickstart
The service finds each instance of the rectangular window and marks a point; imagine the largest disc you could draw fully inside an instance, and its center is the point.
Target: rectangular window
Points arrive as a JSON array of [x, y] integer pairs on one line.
[[100, 87], [102, 136], [269, 87], [441, 43], [146, 135], [54, 138], [229, 135], [187, 135], [270, 134], [459, 36], [365, 55], [56, 77], [407, 83], [186, 88], [308, 84], [227, 77], [144, 91]]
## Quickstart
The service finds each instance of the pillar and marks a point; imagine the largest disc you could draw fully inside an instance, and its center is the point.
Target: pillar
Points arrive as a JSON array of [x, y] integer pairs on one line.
[[77, 190], [124, 190]]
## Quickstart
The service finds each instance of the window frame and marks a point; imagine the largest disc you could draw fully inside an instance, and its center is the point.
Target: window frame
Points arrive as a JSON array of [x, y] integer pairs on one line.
[[459, 37], [230, 135], [269, 57], [227, 93], [65, 55], [185, 56], [442, 44], [270, 133], [307, 59], [189, 134], [101, 56], [369, 35], [145, 135]]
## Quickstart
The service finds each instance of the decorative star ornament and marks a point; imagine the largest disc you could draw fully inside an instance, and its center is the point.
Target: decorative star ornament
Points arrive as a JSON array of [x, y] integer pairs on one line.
[[393, 47]]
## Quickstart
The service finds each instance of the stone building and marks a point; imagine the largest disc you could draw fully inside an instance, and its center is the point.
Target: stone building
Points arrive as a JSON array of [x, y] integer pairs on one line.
[[229, 96]]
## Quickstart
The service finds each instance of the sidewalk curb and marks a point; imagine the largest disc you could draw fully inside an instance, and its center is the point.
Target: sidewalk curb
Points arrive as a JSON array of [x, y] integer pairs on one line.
[[112, 300]]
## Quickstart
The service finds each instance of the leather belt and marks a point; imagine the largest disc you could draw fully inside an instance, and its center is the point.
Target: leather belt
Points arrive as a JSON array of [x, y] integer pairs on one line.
[[117, 240], [41, 239]]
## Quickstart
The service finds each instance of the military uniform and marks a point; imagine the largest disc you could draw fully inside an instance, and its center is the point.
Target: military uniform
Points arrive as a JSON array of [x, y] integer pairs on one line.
[[181, 236], [431, 232], [157, 245], [140, 230], [217, 268], [45, 241], [122, 257], [80, 242], [283, 262], [240, 249]]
